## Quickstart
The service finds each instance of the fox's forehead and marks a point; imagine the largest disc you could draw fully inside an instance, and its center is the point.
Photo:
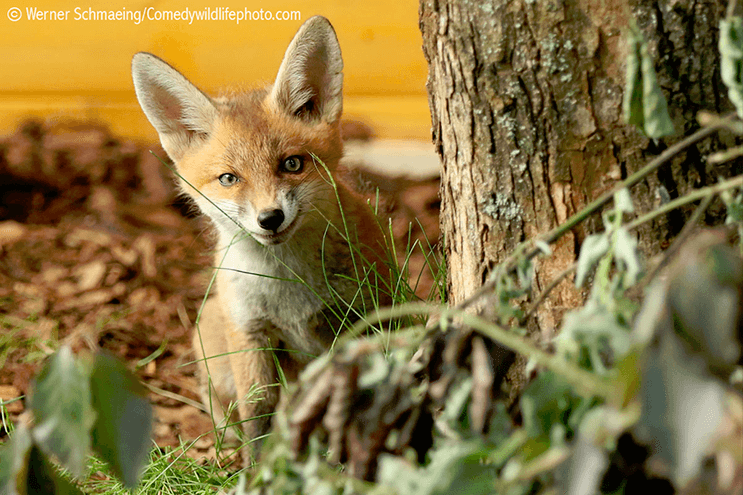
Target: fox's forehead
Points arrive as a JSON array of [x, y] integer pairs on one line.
[[242, 105], [250, 129]]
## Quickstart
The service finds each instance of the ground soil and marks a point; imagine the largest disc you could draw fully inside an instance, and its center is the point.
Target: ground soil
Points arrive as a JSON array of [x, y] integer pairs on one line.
[[98, 250]]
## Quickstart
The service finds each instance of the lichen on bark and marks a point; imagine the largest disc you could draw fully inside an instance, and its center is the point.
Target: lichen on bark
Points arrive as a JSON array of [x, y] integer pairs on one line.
[[526, 101]]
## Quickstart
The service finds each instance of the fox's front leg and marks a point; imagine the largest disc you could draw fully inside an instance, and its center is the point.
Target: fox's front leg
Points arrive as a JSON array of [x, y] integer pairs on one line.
[[255, 376], [215, 372]]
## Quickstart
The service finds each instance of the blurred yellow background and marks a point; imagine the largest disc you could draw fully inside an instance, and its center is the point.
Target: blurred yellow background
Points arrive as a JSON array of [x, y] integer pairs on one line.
[[66, 66]]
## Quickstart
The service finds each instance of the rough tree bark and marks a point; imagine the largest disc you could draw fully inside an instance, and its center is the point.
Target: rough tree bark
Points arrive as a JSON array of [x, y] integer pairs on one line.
[[526, 99]]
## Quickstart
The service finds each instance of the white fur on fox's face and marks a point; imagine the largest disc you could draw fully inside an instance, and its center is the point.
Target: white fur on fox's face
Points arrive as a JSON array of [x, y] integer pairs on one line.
[[269, 226]]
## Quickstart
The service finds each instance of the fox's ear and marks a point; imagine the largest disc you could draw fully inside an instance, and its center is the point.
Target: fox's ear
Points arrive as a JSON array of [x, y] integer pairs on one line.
[[182, 115], [309, 84]]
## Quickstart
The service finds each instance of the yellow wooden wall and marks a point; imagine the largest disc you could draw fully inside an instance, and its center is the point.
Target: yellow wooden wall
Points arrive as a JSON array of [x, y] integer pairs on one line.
[[58, 68]]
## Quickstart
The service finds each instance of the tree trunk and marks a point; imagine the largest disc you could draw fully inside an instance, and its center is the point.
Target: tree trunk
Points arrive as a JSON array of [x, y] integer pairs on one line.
[[526, 101]]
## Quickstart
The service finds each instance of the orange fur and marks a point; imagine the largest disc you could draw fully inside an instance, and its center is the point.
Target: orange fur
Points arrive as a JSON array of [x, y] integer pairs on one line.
[[290, 242]]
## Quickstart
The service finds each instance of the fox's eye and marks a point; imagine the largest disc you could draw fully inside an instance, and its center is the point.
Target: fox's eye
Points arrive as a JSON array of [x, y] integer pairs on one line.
[[293, 164], [228, 180]]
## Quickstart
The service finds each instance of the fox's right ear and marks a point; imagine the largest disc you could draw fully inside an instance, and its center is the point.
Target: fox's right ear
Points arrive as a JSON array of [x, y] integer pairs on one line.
[[179, 111], [309, 84]]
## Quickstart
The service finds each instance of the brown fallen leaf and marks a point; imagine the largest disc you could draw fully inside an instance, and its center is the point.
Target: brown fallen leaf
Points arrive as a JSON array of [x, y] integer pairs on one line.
[[11, 231], [90, 275], [145, 246], [92, 298], [9, 396]]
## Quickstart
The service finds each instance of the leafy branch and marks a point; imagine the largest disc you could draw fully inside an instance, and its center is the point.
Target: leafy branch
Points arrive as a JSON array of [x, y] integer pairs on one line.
[[78, 405]]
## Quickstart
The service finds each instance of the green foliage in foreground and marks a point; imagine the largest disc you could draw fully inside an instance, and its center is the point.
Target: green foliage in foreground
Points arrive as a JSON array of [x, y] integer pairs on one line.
[[79, 406], [619, 369]]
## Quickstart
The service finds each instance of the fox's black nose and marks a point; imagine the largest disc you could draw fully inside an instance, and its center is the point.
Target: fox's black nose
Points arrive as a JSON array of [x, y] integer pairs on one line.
[[271, 219]]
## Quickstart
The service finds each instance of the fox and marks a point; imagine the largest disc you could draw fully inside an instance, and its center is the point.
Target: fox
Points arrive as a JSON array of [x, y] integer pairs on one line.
[[298, 253]]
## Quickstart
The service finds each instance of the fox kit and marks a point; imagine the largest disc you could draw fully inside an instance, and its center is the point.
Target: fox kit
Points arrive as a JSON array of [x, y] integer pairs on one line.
[[292, 243]]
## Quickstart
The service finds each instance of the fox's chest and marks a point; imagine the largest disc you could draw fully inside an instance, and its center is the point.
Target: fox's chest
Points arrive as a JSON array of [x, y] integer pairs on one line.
[[292, 295]]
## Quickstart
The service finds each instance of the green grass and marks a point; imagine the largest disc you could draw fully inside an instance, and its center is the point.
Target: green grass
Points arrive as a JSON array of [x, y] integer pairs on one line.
[[169, 471], [14, 336]]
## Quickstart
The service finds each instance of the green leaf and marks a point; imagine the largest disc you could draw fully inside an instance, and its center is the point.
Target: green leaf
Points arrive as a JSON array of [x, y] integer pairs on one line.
[[682, 409], [705, 301], [455, 467], [14, 456], [121, 434], [731, 59], [657, 121], [625, 250], [525, 271], [735, 211], [623, 201], [242, 486], [376, 371], [543, 247], [25, 470], [690, 326], [456, 402], [628, 377], [644, 103], [591, 332], [594, 247], [587, 465], [43, 478], [62, 411], [632, 104], [547, 402]]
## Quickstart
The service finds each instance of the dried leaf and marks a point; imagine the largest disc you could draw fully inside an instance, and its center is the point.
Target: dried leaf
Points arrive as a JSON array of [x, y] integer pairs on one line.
[[90, 275], [309, 409], [483, 378], [339, 410]]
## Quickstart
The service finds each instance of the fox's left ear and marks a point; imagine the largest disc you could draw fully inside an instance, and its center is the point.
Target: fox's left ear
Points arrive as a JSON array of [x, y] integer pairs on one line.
[[309, 84]]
